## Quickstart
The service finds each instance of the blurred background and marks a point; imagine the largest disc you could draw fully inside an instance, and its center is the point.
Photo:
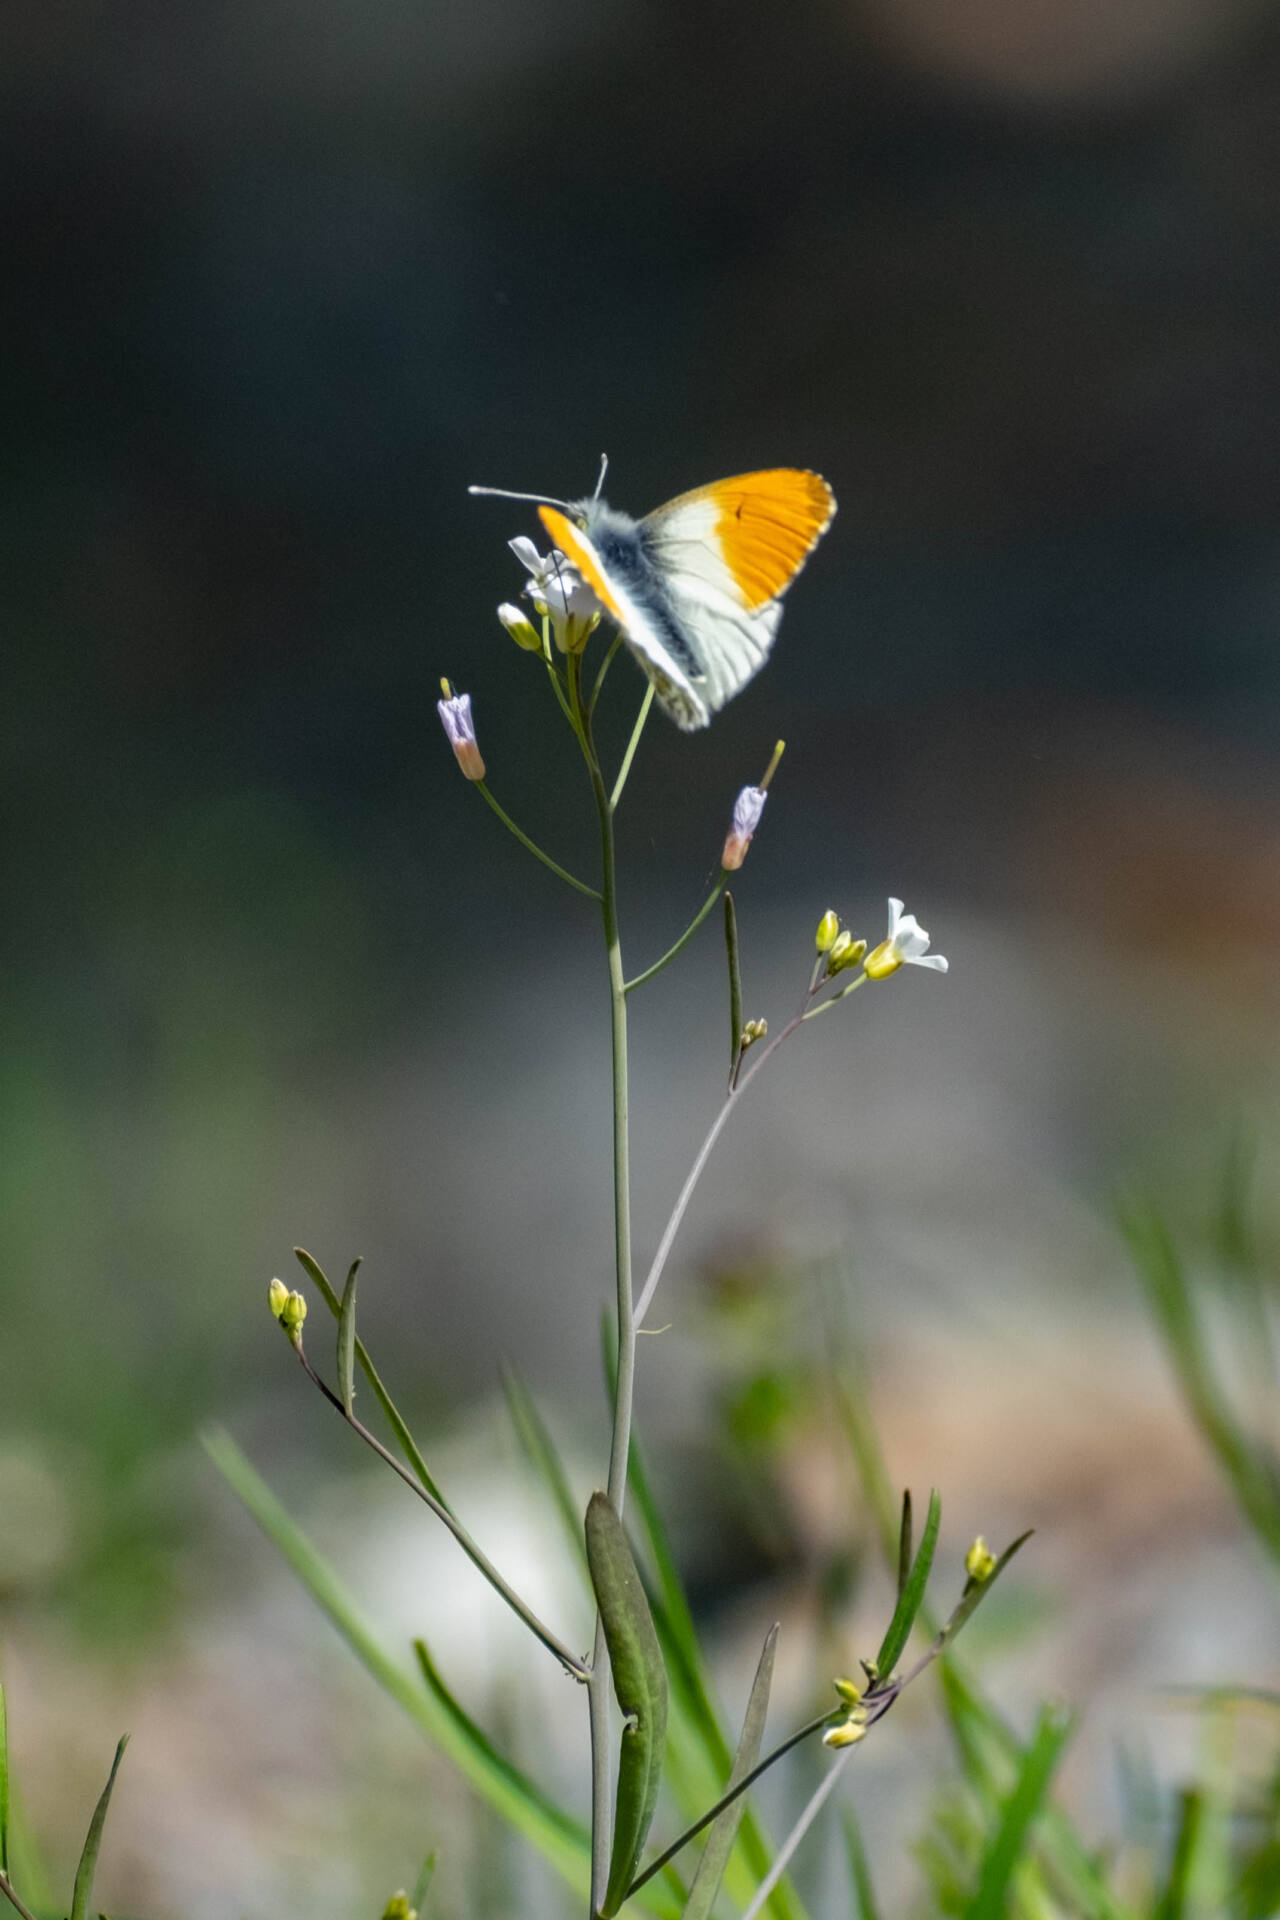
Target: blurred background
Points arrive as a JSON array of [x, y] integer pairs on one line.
[[280, 281]]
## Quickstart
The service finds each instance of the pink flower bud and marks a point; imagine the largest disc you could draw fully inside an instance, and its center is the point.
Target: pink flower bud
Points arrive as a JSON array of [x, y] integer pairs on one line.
[[455, 717], [747, 809]]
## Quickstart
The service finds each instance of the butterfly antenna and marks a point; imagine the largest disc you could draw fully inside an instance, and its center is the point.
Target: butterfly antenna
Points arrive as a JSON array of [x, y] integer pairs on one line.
[[604, 468], [505, 493]]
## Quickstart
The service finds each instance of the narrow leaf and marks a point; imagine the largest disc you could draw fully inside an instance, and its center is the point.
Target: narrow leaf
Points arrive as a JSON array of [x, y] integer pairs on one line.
[[93, 1840], [735, 981], [347, 1339], [4, 1786], [640, 1686], [423, 1881], [976, 1591], [724, 1828], [909, 1600], [859, 1871], [408, 1445], [1053, 1729], [904, 1542]]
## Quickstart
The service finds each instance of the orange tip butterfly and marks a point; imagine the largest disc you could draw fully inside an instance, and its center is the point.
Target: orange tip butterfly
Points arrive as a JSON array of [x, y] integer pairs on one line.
[[695, 586]]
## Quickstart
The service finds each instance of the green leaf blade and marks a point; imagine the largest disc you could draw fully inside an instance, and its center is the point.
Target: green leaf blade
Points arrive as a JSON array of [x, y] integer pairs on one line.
[[347, 1339], [93, 1840], [724, 1828], [911, 1598], [1022, 1804], [639, 1685]]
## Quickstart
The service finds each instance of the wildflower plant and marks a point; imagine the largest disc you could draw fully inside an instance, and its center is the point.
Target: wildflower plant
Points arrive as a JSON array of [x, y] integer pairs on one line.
[[645, 1659]]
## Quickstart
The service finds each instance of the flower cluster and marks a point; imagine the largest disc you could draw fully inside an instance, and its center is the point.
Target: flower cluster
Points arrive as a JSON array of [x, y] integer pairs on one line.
[[559, 593]]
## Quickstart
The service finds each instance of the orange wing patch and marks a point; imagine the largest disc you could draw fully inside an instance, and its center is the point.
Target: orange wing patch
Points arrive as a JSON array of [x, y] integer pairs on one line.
[[767, 526], [572, 545]]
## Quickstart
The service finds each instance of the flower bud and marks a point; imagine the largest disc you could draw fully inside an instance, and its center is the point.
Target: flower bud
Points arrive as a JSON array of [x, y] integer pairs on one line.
[[291, 1316], [520, 627], [398, 1908], [747, 809], [846, 1734], [848, 1691], [828, 927], [277, 1294], [979, 1562], [882, 961], [455, 718], [753, 1031], [846, 952]]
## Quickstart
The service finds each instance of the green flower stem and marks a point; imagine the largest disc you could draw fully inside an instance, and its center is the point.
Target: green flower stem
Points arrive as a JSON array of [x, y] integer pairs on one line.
[[598, 1691], [605, 665], [727, 1800], [843, 994], [685, 937], [678, 1212], [580, 886], [632, 744], [479, 1560], [6, 1888]]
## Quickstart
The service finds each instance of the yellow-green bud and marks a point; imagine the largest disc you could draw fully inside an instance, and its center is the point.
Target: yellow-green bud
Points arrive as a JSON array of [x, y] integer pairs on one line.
[[398, 1907], [848, 1692], [753, 1031], [828, 927], [979, 1562], [277, 1294], [882, 961], [520, 627], [292, 1314], [846, 952], [847, 1734]]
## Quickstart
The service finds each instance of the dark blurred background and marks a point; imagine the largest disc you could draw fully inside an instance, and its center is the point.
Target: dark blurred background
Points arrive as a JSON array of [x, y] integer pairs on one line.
[[280, 280]]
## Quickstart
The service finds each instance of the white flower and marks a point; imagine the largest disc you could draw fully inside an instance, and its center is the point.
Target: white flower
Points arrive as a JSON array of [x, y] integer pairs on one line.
[[907, 944], [747, 809], [558, 590]]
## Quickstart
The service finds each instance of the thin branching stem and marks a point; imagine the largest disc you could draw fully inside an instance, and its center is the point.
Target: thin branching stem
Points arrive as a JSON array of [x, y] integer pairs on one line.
[[478, 1558], [580, 886], [685, 937], [605, 665], [783, 1857], [7, 1889]]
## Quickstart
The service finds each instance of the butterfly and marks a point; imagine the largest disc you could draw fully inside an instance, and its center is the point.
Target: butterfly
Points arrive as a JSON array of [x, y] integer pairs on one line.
[[696, 586]]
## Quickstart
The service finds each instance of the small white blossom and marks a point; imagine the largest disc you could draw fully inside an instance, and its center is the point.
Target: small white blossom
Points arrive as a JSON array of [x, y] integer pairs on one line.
[[558, 590], [907, 944], [747, 809]]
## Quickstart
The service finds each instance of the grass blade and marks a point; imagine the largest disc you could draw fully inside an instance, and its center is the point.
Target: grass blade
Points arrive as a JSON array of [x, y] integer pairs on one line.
[[1053, 1730], [347, 1339], [912, 1595], [480, 1743], [408, 1445], [93, 1840], [859, 1871], [556, 1838], [541, 1451], [423, 1881], [724, 1828]]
